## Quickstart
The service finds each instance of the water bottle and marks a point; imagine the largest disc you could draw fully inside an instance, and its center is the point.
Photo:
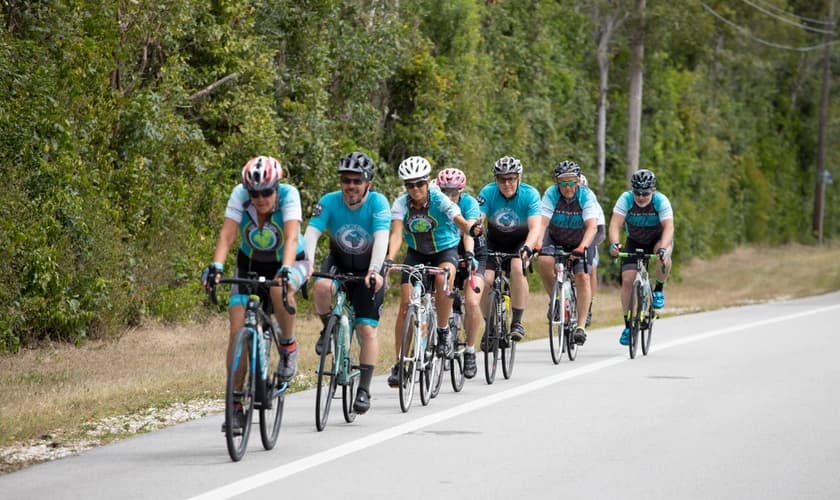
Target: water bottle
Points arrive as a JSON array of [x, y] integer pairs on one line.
[[344, 329], [263, 352]]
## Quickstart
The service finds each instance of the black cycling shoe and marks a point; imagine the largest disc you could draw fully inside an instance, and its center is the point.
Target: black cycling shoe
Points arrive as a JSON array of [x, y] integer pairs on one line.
[[444, 345], [517, 332], [362, 402], [580, 336], [319, 346], [394, 377], [469, 365], [238, 422]]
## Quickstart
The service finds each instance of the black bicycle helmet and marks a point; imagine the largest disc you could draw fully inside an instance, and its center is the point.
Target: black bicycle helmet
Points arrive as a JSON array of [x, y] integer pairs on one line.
[[566, 167], [643, 179]]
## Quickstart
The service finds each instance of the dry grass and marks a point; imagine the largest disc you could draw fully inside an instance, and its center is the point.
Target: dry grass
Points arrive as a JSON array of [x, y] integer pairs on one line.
[[61, 388]]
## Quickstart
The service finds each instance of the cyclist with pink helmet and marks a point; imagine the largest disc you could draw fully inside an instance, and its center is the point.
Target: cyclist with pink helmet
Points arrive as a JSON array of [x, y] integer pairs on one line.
[[267, 216], [452, 182]]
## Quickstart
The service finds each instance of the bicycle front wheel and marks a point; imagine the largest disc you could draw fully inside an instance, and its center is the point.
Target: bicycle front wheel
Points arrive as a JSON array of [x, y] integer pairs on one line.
[[635, 321], [409, 351], [352, 354], [555, 323], [647, 333], [327, 374], [456, 363], [271, 410], [508, 350], [239, 395], [570, 312], [490, 342]]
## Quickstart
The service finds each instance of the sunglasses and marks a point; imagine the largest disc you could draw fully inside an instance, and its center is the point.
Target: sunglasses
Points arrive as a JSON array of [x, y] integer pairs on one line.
[[356, 181], [262, 193], [567, 183], [507, 180], [641, 192], [451, 192], [415, 184]]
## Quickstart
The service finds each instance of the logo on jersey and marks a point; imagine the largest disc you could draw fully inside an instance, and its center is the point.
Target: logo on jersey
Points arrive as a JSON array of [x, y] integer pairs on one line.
[[505, 220], [420, 224], [353, 239], [317, 210], [480, 199], [265, 239]]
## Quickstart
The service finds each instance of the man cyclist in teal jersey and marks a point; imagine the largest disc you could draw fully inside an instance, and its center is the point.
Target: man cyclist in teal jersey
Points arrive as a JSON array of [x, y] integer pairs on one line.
[[648, 218], [452, 182], [357, 220], [429, 223], [266, 215], [569, 214], [600, 236], [514, 225]]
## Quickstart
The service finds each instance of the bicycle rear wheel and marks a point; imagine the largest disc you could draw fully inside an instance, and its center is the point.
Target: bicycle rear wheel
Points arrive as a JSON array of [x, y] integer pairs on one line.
[[409, 352], [555, 324], [239, 395], [635, 314], [271, 410], [327, 374], [351, 364], [456, 363], [491, 339]]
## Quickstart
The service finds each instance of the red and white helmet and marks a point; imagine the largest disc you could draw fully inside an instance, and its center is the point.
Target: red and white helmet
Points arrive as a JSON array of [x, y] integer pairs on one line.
[[261, 172], [451, 178]]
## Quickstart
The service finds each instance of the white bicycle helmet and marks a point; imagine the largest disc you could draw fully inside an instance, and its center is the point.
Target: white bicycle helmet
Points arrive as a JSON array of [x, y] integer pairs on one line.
[[414, 167], [507, 165], [261, 172]]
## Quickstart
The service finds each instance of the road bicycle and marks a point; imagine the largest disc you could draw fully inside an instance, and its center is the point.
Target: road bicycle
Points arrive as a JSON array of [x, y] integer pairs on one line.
[[642, 314], [562, 307], [497, 341], [418, 359], [338, 364], [456, 326], [251, 384]]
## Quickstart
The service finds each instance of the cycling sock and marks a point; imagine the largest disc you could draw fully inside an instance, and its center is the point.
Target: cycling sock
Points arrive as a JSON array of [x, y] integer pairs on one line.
[[470, 349], [517, 315], [659, 285], [324, 318], [627, 319], [287, 342], [365, 375]]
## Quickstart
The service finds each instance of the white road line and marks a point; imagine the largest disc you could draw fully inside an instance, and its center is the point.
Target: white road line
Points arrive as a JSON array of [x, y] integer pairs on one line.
[[258, 480]]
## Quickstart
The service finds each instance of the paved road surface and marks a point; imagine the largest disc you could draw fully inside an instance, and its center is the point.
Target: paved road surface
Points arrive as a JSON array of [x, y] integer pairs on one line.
[[737, 403]]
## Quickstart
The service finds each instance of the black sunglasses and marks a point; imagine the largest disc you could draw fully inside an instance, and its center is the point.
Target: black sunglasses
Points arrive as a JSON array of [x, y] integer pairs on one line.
[[356, 181], [641, 192], [261, 193], [415, 184]]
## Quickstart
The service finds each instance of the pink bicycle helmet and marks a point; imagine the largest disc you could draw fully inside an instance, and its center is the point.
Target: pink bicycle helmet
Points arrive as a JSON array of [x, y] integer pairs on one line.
[[451, 178], [261, 172]]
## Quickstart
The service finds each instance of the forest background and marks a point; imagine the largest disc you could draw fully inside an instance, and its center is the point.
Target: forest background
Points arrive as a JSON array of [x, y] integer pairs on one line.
[[124, 124]]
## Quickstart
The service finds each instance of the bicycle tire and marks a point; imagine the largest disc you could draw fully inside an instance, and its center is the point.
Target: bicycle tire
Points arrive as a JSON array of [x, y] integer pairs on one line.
[[327, 374], [438, 362], [237, 444], [428, 360], [491, 350], [635, 321], [271, 411], [648, 333], [348, 390], [570, 311], [407, 368], [556, 328], [456, 362]]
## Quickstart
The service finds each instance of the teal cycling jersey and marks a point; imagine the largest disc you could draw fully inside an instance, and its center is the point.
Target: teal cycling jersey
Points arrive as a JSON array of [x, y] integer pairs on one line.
[[644, 224], [566, 216], [351, 230], [431, 228], [266, 243], [469, 207], [507, 219]]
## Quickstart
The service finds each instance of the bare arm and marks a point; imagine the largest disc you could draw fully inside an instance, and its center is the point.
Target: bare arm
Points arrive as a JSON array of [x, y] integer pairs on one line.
[[227, 235], [396, 239]]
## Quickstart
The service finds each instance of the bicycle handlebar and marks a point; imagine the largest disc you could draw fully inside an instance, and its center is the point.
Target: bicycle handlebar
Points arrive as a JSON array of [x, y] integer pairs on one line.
[[258, 282], [559, 253], [420, 269], [501, 256], [351, 278], [463, 263]]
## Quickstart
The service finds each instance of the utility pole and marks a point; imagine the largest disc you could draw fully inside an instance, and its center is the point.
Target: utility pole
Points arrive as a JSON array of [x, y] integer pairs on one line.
[[821, 178]]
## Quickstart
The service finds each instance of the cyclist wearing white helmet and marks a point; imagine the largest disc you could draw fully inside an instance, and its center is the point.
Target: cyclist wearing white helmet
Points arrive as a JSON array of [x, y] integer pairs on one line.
[[570, 216], [451, 182], [600, 236], [267, 216], [357, 220], [429, 222], [648, 218], [514, 225]]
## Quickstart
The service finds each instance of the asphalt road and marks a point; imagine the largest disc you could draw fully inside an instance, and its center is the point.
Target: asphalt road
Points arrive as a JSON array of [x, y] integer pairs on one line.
[[737, 403]]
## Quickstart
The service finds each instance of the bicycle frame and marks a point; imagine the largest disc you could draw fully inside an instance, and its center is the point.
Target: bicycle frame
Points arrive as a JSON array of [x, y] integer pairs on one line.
[[499, 295], [564, 285], [642, 314]]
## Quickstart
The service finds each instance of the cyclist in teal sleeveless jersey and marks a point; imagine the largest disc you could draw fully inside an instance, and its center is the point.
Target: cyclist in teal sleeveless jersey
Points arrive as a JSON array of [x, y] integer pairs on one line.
[[452, 182], [267, 217], [514, 225], [357, 220], [648, 218], [429, 222], [570, 216]]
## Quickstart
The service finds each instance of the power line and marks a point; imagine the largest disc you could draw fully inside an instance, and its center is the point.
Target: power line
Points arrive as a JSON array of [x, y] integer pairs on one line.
[[811, 20], [785, 20], [747, 33]]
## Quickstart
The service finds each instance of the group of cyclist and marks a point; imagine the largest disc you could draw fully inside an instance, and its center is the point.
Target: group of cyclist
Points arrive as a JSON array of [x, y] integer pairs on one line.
[[440, 224]]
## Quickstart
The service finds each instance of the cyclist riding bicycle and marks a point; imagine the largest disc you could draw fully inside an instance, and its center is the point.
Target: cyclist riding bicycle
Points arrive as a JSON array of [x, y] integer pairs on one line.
[[452, 182], [267, 216], [514, 225], [429, 222], [600, 236], [570, 216], [647, 217], [357, 220]]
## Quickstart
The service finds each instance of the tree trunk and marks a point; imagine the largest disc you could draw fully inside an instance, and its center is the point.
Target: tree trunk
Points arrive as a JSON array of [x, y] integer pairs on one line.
[[635, 109], [607, 28], [819, 192]]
